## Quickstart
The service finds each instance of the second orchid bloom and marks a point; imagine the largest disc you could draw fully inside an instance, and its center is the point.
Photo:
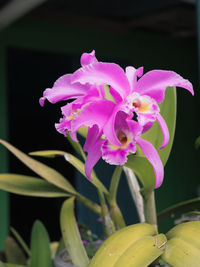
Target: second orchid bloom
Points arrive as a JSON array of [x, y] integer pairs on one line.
[[114, 126]]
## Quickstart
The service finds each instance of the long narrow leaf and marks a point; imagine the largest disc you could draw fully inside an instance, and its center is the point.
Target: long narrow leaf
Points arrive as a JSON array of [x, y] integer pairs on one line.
[[11, 265], [75, 162], [47, 153], [71, 235], [79, 165], [14, 253], [41, 169], [179, 208], [21, 241], [40, 246], [29, 186]]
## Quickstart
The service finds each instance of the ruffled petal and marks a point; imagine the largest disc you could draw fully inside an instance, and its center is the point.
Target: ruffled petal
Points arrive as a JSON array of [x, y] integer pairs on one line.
[[103, 73], [153, 157], [92, 136], [132, 75], [97, 112], [88, 58], [165, 130], [94, 154], [126, 131], [155, 82], [116, 156], [62, 126], [63, 89]]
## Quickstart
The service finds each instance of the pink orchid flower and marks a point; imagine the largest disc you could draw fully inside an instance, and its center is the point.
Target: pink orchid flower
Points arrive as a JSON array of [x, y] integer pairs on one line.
[[128, 133], [112, 134], [132, 95], [89, 100]]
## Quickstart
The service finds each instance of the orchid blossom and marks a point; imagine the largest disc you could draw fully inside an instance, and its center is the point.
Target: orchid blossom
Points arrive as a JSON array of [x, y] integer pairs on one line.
[[132, 95], [88, 100], [112, 132], [128, 133]]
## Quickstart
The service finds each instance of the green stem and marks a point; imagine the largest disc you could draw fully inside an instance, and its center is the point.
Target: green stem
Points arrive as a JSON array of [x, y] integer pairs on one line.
[[115, 211], [150, 210], [114, 183], [117, 216], [108, 225], [89, 204]]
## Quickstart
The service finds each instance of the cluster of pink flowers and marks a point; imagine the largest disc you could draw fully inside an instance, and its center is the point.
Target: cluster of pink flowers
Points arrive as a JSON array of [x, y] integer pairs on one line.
[[114, 126]]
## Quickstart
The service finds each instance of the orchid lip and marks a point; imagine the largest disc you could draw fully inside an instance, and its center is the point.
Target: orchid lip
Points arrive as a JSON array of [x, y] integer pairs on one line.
[[123, 138]]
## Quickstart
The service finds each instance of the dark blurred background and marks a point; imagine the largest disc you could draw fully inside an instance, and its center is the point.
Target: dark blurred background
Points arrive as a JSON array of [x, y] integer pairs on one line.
[[42, 40]]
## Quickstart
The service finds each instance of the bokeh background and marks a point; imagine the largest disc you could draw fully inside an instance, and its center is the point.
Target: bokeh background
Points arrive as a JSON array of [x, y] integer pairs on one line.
[[42, 40]]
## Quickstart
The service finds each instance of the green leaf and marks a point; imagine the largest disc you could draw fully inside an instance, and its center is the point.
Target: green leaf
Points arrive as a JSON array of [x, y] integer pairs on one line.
[[136, 245], [138, 163], [11, 265], [71, 235], [40, 246], [144, 171], [197, 142], [49, 174], [21, 241], [79, 165], [168, 112], [29, 186], [181, 207], [14, 254], [47, 153], [183, 246], [83, 131]]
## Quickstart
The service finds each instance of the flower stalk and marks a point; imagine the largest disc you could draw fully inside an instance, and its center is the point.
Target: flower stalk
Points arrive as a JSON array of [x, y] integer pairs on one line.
[[150, 210], [115, 211], [108, 224], [89, 204], [135, 192]]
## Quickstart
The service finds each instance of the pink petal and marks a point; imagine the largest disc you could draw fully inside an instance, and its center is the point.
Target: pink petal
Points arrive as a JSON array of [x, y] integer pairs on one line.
[[109, 128], [147, 126], [92, 136], [132, 75], [153, 157], [115, 95], [104, 74], [135, 128], [63, 89], [164, 128], [97, 112], [155, 82], [116, 156], [88, 58], [94, 154]]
